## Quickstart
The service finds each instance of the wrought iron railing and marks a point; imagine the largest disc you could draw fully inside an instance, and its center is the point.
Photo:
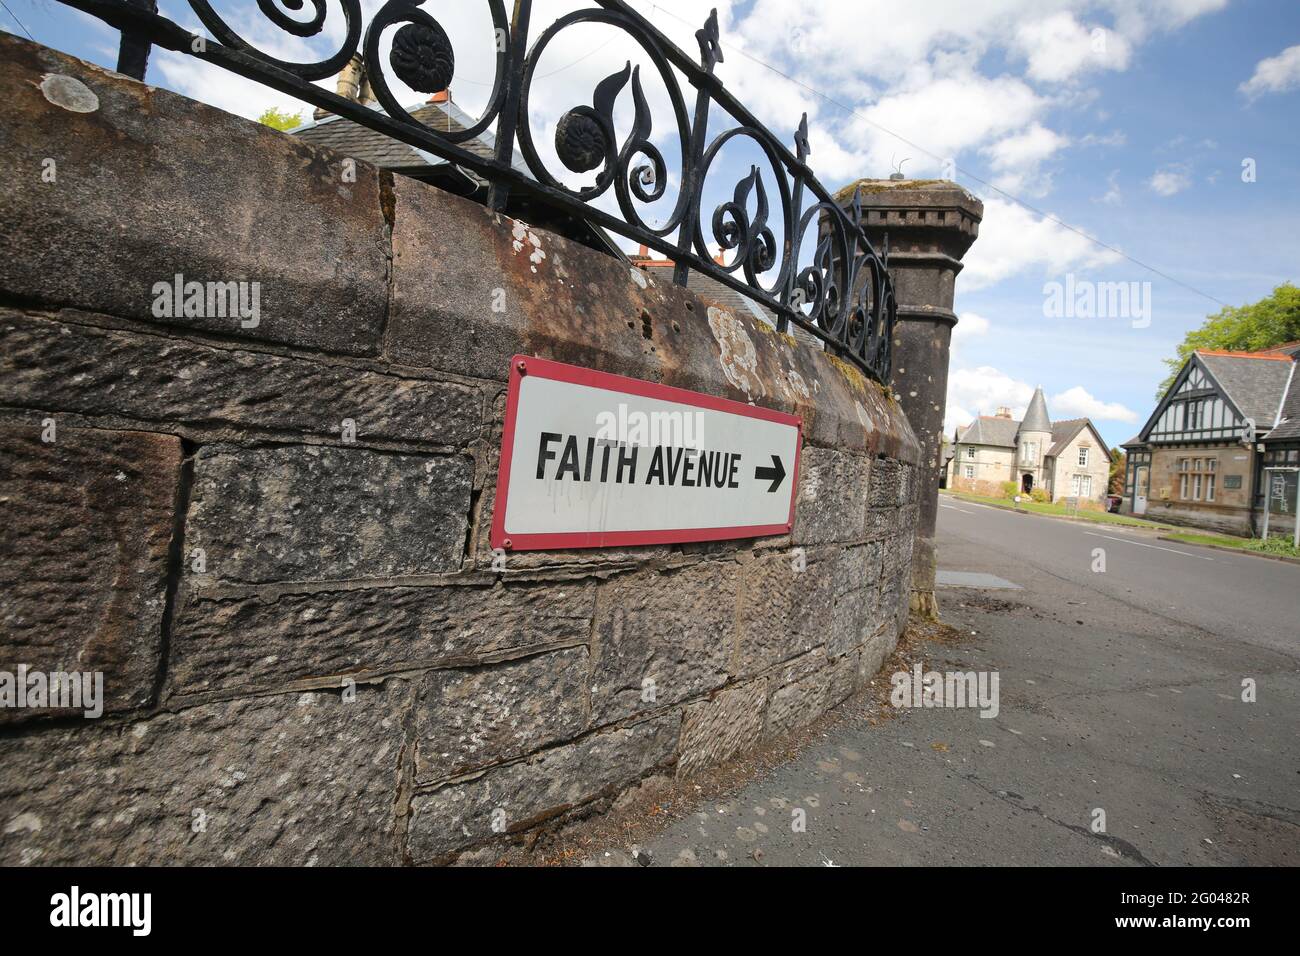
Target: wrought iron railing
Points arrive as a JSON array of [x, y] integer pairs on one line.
[[842, 295]]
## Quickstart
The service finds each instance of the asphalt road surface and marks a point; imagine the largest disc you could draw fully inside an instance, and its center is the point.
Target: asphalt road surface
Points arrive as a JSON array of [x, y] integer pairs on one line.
[[1120, 691]]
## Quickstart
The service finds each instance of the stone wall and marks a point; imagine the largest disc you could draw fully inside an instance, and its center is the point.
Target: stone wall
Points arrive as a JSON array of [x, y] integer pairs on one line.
[[272, 537]]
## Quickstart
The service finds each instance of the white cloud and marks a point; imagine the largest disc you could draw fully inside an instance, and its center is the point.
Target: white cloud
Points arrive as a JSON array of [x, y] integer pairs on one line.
[[944, 114], [1016, 158], [970, 325], [1059, 48], [1277, 74], [1013, 239], [1077, 402], [980, 391], [1170, 180], [1113, 196]]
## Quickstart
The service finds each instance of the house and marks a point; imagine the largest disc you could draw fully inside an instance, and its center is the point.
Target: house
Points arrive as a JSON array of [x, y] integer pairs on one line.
[[1067, 459], [1218, 442]]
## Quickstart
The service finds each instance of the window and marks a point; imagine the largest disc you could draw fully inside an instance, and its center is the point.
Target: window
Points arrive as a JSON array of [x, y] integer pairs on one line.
[[1081, 486], [1029, 452], [1083, 457], [970, 471], [1197, 478], [970, 452]]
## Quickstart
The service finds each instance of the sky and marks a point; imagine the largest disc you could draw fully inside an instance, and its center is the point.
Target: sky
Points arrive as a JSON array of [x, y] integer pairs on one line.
[[1137, 154]]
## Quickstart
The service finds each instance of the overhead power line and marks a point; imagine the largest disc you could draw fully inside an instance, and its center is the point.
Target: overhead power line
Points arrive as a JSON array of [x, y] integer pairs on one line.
[[965, 172], [17, 21]]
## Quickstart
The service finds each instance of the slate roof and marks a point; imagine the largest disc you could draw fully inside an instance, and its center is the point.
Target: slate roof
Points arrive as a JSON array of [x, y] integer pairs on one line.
[[1288, 421], [991, 430], [371, 146], [1036, 417], [1255, 383], [1064, 432]]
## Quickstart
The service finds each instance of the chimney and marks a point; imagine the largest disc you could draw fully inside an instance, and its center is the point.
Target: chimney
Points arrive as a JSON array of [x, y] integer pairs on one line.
[[1003, 412], [643, 252], [442, 96], [353, 84]]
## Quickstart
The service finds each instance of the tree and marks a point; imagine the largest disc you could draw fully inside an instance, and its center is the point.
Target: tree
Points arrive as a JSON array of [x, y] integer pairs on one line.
[[278, 120], [1118, 466], [1271, 321]]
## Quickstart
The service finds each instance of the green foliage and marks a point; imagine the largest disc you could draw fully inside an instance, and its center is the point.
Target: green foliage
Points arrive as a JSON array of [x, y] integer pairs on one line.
[[1118, 465], [278, 120], [1010, 489], [1039, 494], [1274, 544], [1271, 321]]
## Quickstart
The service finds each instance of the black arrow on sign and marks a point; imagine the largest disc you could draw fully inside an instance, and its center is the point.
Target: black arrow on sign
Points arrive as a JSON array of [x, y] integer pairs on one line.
[[776, 473]]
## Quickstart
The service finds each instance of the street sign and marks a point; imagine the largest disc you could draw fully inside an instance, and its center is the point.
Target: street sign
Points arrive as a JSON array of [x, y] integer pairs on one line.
[[592, 460]]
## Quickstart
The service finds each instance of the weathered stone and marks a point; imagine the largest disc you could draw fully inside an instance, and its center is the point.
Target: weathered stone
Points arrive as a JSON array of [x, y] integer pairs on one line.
[[670, 628], [227, 641], [874, 652], [86, 523], [728, 723], [831, 502], [797, 705], [843, 678], [885, 489], [292, 780], [151, 185], [307, 513], [61, 366], [856, 577], [782, 611], [517, 796], [469, 718]]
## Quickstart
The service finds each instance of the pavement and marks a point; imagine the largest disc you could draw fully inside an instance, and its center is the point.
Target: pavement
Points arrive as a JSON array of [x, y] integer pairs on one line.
[[1121, 738]]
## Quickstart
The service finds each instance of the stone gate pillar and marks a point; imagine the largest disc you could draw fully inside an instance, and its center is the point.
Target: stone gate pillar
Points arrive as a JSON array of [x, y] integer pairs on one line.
[[930, 223]]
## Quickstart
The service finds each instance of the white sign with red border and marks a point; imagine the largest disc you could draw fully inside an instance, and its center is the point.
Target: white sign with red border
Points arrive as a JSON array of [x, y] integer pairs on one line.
[[593, 460]]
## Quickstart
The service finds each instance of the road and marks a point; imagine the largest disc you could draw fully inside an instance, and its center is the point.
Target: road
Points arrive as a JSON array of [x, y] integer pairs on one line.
[[1120, 691]]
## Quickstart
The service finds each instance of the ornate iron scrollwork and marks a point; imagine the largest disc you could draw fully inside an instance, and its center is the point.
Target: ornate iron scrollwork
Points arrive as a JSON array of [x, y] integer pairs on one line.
[[839, 291]]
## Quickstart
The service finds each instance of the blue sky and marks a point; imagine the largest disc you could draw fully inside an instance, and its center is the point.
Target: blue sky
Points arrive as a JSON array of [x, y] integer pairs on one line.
[[1128, 120]]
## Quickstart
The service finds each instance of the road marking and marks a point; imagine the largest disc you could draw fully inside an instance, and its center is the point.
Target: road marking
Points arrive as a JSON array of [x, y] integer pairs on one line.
[[1186, 554], [962, 510]]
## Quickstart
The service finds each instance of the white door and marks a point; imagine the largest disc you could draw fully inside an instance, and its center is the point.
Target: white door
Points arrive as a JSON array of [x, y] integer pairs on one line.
[[1140, 491]]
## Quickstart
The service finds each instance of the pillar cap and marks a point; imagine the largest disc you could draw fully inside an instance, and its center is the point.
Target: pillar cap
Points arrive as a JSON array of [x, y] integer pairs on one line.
[[918, 214]]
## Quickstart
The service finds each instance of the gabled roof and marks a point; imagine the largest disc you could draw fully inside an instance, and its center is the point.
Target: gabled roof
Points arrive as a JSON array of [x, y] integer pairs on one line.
[[1288, 418], [1252, 381], [1255, 384], [991, 430], [1064, 432]]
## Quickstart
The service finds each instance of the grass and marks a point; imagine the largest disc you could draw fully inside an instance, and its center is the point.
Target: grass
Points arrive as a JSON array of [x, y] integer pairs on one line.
[[1060, 511], [1273, 545]]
